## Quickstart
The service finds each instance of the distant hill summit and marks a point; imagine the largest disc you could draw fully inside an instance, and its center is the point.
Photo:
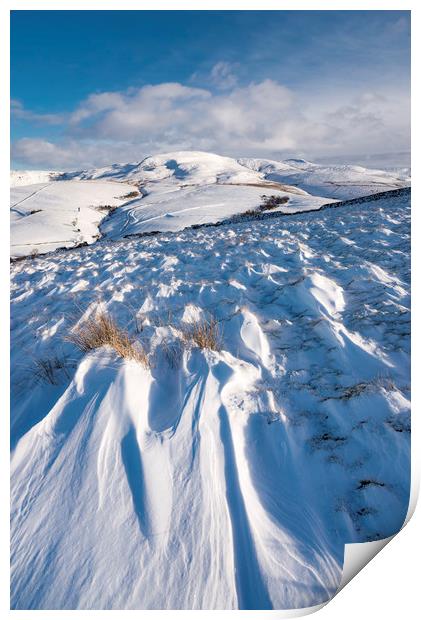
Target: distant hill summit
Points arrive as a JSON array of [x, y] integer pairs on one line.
[[200, 168]]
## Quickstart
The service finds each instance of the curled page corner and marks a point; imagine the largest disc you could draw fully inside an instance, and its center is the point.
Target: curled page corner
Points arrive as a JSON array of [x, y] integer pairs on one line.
[[291, 613], [358, 555]]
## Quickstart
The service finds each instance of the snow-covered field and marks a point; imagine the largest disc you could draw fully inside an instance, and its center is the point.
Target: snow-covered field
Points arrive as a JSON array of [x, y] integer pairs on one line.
[[195, 205], [213, 479], [47, 216], [177, 190], [32, 177]]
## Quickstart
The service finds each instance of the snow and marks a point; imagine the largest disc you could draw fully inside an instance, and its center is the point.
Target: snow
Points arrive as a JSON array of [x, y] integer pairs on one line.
[[341, 182], [177, 190], [32, 177], [212, 480], [195, 205], [48, 216], [180, 168], [185, 167]]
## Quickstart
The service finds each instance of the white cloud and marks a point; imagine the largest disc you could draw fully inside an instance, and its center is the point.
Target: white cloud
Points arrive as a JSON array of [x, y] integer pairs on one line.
[[18, 111], [74, 154], [223, 75], [263, 119]]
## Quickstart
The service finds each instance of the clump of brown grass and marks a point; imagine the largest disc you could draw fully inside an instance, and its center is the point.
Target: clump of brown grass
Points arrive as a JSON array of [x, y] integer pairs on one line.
[[100, 331], [204, 333]]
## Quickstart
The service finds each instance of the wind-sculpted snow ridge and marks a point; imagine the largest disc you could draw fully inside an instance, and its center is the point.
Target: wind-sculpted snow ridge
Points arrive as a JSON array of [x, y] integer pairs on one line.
[[215, 479]]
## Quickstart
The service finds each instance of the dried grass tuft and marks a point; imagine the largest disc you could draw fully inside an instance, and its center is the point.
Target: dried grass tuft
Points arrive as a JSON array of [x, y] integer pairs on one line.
[[204, 333], [100, 331]]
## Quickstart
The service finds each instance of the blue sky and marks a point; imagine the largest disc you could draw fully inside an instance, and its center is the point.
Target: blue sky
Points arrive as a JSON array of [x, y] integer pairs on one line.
[[92, 87]]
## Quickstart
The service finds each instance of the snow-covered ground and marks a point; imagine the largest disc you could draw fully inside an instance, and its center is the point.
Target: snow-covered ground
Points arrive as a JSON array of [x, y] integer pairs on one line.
[[52, 215], [215, 479], [32, 177], [177, 190], [340, 182], [195, 205]]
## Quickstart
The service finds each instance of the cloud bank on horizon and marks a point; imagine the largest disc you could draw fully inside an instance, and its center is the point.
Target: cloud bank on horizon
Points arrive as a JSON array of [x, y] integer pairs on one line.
[[248, 103]]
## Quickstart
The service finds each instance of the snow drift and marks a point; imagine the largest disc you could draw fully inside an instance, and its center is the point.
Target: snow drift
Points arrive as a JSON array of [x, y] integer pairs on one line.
[[223, 479]]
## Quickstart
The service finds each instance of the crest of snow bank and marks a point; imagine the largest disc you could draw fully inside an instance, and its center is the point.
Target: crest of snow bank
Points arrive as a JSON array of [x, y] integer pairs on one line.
[[327, 293], [178, 479]]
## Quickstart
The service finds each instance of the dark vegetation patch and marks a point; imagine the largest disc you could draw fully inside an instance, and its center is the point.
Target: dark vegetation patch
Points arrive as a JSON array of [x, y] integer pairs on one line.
[[400, 425], [49, 369], [369, 483], [271, 202], [366, 511], [106, 208], [130, 195], [327, 441], [363, 387]]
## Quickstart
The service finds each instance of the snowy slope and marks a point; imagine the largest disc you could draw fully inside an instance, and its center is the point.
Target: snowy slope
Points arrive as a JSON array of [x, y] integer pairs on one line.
[[195, 205], [340, 182], [32, 177], [212, 480], [48, 216]]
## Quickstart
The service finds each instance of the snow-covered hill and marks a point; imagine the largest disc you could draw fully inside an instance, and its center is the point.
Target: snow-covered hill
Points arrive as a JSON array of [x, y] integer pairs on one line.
[[32, 177], [178, 190], [179, 167], [199, 168], [53, 215], [340, 182], [215, 479]]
